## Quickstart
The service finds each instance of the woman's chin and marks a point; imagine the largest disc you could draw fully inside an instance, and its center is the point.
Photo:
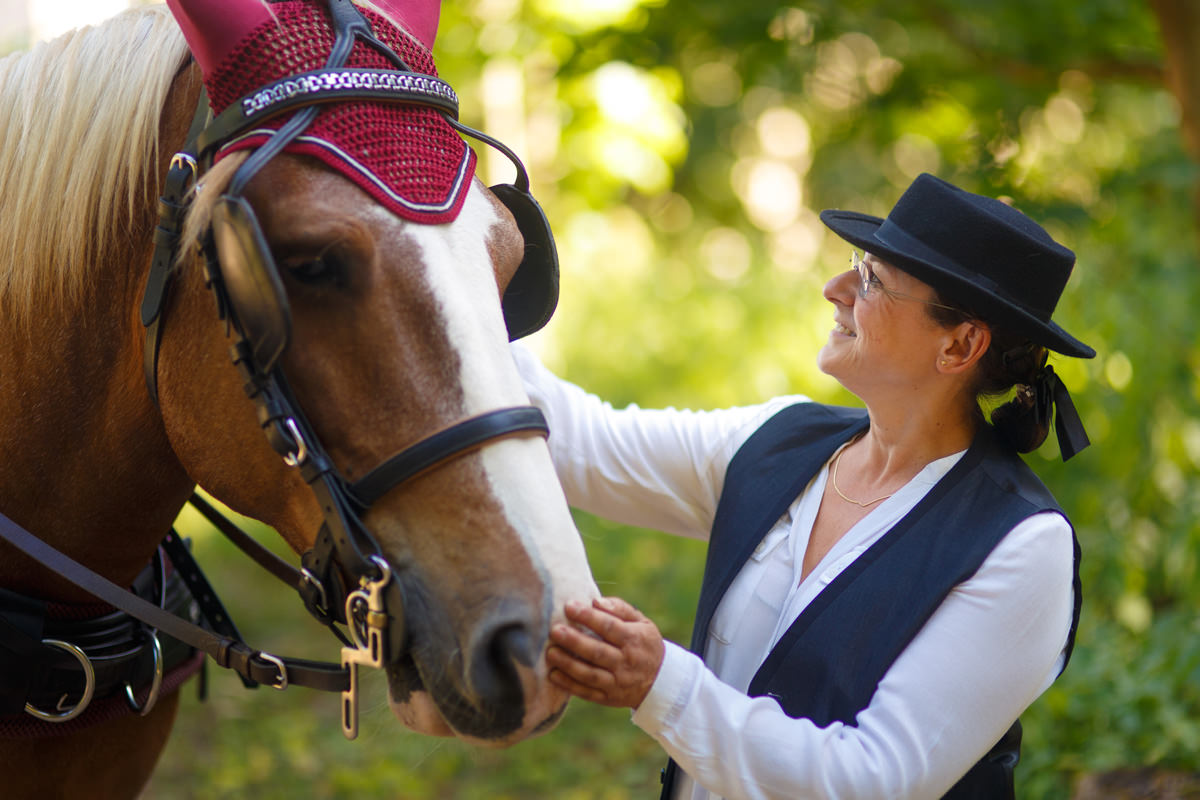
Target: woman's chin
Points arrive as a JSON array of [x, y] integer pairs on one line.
[[826, 360]]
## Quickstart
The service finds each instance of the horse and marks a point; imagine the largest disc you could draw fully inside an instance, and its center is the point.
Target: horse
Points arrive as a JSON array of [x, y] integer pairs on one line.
[[397, 332]]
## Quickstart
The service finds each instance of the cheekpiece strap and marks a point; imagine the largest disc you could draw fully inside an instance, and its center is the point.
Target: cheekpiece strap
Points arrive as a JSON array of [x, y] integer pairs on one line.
[[172, 206]]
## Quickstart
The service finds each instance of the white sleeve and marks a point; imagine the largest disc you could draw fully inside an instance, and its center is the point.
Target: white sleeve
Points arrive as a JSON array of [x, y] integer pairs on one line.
[[989, 650], [659, 469]]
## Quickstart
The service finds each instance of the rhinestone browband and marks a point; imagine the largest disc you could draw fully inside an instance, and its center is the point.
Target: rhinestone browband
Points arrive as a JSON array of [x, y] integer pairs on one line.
[[326, 86], [342, 81]]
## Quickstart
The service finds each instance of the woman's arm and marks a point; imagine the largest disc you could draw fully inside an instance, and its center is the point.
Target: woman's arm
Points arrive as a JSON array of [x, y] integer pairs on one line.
[[659, 469], [987, 653]]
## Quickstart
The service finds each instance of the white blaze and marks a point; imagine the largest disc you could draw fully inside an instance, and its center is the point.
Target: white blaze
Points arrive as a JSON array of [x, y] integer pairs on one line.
[[518, 469]]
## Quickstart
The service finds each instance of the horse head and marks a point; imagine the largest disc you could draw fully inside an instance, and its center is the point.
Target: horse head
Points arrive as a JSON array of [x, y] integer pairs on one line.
[[369, 320]]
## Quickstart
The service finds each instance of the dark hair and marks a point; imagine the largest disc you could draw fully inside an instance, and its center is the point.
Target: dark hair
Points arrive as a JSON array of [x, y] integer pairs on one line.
[[1012, 360]]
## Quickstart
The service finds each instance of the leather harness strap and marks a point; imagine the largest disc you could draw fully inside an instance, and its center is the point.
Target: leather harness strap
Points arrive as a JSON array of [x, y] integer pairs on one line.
[[172, 205], [251, 664], [117, 647], [248, 545]]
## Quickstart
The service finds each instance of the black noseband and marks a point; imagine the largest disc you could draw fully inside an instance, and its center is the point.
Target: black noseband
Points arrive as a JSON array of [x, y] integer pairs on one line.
[[439, 447]]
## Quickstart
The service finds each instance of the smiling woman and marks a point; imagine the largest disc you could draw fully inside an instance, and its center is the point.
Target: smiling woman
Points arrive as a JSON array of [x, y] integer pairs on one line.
[[888, 588]]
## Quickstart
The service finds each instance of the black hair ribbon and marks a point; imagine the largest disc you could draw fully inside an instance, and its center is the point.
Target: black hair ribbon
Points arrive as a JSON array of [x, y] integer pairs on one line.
[[1051, 394]]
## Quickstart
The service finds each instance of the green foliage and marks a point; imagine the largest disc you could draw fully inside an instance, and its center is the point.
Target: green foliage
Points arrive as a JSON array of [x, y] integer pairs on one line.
[[681, 150], [284, 745]]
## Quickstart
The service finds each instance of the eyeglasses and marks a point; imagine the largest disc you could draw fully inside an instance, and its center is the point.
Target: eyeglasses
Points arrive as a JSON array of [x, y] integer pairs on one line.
[[868, 280]]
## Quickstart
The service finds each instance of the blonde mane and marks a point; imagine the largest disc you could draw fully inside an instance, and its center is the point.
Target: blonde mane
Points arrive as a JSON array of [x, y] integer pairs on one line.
[[79, 123], [79, 120]]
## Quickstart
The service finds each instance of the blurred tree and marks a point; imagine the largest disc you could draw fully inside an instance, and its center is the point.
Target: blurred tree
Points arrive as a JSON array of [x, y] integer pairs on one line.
[[682, 150], [1179, 21]]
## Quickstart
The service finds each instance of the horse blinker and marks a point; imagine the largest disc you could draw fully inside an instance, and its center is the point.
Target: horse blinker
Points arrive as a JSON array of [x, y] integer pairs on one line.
[[252, 283], [532, 294]]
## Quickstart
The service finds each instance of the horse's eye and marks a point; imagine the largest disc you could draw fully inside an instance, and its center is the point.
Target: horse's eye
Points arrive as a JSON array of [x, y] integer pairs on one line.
[[324, 270]]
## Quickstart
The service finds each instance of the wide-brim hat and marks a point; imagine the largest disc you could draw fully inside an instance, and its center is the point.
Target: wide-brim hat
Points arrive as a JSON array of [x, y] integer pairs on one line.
[[977, 252]]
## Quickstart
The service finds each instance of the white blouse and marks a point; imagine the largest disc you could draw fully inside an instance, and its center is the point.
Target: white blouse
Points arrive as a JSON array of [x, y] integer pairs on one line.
[[993, 646]]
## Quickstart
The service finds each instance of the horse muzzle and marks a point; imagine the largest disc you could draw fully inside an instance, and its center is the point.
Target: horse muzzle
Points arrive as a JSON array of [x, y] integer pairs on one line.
[[482, 679]]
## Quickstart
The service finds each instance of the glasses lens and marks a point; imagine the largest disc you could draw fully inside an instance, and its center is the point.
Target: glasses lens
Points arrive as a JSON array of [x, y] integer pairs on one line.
[[864, 273]]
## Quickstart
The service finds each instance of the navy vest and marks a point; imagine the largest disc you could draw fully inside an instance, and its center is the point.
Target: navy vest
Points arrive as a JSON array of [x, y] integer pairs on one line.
[[828, 664]]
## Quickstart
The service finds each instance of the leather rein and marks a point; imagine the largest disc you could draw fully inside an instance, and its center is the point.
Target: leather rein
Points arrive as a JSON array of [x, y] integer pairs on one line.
[[345, 578]]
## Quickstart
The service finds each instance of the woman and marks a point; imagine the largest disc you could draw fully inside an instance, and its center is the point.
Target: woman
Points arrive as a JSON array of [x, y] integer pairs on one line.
[[885, 590]]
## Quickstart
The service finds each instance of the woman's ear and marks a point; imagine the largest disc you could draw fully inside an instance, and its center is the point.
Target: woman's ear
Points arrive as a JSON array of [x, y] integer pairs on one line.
[[964, 345]]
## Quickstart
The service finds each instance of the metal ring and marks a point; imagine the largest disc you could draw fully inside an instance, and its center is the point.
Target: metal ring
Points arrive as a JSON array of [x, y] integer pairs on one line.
[[361, 598], [155, 686], [315, 582], [301, 454], [282, 683], [357, 623], [184, 160], [385, 569], [89, 687]]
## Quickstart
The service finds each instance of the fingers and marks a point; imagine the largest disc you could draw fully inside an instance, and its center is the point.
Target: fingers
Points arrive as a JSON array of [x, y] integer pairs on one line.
[[564, 681], [617, 668], [585, 666], [586, 648], [619, 608], [619, 689], [606, 617]]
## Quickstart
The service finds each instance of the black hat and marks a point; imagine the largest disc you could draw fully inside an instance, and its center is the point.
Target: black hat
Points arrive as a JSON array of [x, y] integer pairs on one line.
[[974, 250]]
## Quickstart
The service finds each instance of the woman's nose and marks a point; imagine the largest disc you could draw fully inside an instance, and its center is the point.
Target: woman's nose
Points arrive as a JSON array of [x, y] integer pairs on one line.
[[841, 288]]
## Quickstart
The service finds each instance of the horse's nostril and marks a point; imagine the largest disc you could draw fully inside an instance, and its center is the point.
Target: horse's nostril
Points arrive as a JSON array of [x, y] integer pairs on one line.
[[493, 667], [515, 642]]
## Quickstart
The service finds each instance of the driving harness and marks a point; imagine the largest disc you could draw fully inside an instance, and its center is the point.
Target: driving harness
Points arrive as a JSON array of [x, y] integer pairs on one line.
[[345, 578]]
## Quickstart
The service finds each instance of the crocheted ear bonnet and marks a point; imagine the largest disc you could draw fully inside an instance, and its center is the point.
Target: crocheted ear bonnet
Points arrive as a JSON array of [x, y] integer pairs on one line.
[[407, 157]]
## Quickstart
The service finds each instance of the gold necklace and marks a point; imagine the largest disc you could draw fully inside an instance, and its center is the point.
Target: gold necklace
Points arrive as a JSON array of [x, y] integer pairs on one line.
[[833, 480]]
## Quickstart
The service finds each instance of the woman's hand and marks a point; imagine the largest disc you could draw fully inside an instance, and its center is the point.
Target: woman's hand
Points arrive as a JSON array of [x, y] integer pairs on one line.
[[616, 669]]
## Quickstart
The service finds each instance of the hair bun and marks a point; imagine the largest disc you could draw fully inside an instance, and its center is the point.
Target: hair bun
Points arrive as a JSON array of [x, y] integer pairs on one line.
[[1020, 422]]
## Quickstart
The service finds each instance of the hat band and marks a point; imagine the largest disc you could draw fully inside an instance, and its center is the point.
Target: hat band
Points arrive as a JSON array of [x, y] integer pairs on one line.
[[903, 243]]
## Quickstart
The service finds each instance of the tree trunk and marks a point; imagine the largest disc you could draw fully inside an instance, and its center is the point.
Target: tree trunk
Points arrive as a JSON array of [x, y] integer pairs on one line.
[[1179, 21], [1180, 24]]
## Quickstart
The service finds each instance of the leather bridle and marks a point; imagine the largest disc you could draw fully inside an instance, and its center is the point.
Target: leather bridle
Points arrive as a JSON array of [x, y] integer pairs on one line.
[[345, 577]]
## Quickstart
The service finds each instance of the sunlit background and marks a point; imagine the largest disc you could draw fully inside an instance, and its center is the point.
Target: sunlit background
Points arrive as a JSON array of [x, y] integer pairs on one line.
[[682, 150], [33, 20]]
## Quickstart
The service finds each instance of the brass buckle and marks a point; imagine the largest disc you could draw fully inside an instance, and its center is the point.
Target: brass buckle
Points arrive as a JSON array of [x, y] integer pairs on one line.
[[184, 160], [370, 643], [282, 682]]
